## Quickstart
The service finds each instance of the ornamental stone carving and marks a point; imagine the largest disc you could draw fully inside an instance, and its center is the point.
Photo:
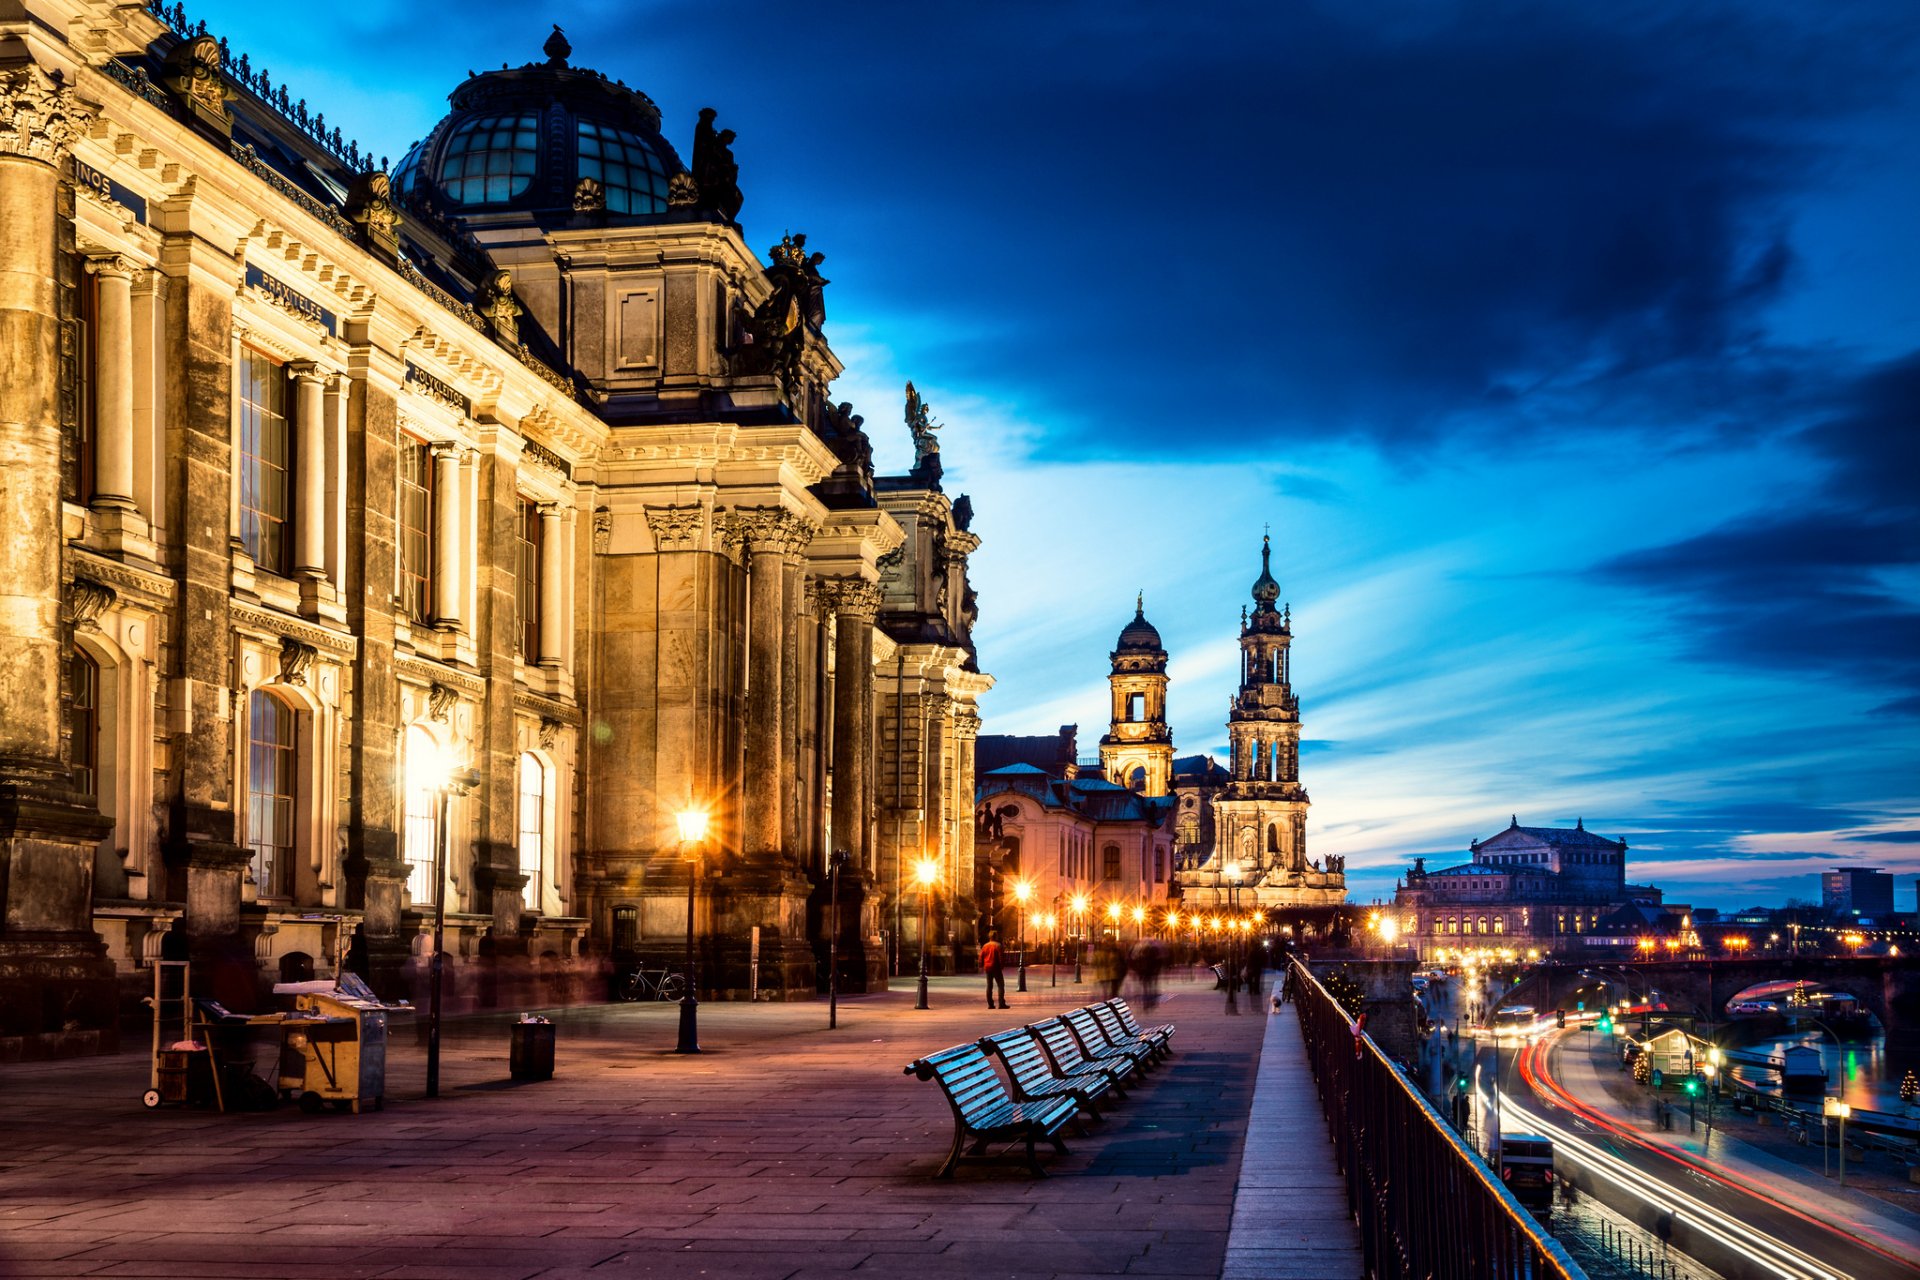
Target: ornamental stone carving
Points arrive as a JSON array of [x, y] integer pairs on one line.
[[855, 599], [295, 660], [589, 196], [602, 530], [440, 700], [501, 309], [370, 208], [549, 733], [40, 117], [773, 529], [676, 528], [193, 76], [89, 600]]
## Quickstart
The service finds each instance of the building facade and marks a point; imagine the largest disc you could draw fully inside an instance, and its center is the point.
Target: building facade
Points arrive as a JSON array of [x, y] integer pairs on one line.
[[1857, 891], [1550, 889], [498, 504]]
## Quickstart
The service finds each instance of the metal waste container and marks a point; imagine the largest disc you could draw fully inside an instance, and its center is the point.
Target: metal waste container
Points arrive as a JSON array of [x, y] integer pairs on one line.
[[531, 1057]]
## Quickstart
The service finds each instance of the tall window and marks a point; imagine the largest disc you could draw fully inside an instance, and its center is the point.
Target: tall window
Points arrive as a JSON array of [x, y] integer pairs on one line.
[[1110, 862], [88, 355], [1136, 706], [270, 792], [527, 583], [1159, 865], [266, 463], [422, 820], [533, 825], [84, 723], [416, 528]]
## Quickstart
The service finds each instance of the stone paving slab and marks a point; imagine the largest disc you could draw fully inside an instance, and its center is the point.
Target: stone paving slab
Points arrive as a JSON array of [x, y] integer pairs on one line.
[[786, 1151]]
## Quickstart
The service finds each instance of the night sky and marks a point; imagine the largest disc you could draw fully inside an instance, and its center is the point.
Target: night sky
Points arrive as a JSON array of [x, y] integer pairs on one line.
[[1571, 352]]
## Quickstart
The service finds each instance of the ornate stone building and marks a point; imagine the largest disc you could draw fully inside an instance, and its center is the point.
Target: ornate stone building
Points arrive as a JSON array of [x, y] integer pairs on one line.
[[519, 459], [1258, 854], [1137, 751]]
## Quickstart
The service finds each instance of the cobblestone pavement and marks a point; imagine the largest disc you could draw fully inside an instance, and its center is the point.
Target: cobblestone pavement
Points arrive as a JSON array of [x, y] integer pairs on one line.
[[785, 1151]]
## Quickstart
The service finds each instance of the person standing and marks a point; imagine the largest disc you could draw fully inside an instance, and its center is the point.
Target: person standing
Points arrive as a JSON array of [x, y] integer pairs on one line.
[[993, 959]]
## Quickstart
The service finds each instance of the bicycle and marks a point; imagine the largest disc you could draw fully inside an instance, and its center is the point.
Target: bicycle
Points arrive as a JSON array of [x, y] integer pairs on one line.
[[653, 984]]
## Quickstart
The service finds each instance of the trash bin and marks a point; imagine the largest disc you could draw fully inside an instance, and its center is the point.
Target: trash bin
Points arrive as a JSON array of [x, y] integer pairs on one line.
[[532, 1054]]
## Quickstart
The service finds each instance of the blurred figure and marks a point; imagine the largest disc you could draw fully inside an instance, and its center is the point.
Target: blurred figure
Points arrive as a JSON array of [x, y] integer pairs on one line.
[[1149, 958]]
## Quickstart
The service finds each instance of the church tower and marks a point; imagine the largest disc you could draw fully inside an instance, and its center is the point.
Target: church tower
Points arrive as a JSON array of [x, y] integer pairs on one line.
[[1260, 818], [1137, 751]]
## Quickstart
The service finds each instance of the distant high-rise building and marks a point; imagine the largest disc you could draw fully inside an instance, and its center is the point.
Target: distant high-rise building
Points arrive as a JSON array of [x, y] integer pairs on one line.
[[1859, 891]]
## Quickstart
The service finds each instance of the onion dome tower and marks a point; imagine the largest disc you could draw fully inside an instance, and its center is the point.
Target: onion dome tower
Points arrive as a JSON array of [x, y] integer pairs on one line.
[[1137, 751]]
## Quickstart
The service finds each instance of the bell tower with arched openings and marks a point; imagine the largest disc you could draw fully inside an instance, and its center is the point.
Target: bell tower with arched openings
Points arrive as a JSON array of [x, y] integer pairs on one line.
[[1137, 751], [1260, 818]]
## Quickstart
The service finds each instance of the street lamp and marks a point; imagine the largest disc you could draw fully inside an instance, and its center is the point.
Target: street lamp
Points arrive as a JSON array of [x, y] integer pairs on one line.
[[1232, 872], [435, 769], [1139, 924], [1113, 919], [835, 860], [1079, 905], [926, 873], [1022, 890], [1051, 923], [693, 829]]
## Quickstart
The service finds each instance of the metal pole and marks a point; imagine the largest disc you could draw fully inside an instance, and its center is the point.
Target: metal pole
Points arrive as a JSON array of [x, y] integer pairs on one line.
[[1843, 1151], [1078, 946], [835, 861], [926, 891], [1053, 970], [439, 930], [1022, 908], [689, 1003]]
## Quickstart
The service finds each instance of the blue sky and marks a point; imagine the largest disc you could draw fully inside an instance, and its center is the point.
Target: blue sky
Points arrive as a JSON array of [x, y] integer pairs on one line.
[[1573, 355]]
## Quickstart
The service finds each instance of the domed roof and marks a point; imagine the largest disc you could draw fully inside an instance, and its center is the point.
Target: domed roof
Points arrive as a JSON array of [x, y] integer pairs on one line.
[[521, 140], [1139, 636], [1265, 589]]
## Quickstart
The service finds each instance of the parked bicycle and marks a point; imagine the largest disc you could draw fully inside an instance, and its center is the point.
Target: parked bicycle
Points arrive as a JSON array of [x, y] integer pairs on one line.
[[653, 984]]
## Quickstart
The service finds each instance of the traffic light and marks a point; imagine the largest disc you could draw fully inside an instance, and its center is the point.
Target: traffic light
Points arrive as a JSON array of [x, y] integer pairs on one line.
[[1559, 1017], [1606, 1025], [1693, 1086]]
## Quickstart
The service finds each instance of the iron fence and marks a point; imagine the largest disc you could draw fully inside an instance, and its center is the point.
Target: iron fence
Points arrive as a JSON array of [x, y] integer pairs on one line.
[[1427, 1207]]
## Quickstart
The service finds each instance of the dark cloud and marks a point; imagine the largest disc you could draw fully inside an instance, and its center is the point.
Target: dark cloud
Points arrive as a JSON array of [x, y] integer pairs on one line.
[[1886, 837], [1815, 589]]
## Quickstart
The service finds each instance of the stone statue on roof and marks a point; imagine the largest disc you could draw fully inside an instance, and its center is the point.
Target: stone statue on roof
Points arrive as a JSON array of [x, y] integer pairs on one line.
[[714, 169], [920, 422]]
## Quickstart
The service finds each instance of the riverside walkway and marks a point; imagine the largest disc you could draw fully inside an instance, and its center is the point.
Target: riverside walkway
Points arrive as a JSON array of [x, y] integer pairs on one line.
[[786, 1151]]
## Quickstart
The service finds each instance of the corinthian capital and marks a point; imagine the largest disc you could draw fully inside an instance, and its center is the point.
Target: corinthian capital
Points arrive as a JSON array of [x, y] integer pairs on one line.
[[852, 599], [40, 117], [676, 528], [773, 529]]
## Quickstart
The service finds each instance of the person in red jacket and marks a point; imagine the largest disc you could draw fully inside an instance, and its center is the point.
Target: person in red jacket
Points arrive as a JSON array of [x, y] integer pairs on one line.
[[993, 959]]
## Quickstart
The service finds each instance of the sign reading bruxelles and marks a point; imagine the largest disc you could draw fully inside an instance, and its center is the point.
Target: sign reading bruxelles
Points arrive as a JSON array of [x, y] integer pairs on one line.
[[284, 294]]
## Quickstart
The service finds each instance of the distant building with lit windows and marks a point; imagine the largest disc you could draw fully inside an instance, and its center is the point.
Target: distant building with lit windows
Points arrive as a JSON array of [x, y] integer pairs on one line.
[[1527, 888]]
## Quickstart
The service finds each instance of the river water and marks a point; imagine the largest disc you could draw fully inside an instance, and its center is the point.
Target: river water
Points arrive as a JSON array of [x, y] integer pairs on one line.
[[1856, 1071]]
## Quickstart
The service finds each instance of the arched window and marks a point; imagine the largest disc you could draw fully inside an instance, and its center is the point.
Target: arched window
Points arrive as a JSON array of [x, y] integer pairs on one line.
[[533, 826], [84, 723], [1273, 837], [1110, 862], [1137, 780], [1189, 830], [1136, 707], [1499, 924], [271, 792], [422, 818], [1483, 924]]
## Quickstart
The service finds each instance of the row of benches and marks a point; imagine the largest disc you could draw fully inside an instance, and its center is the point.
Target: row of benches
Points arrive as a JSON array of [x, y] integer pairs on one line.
[[1055, 1069]]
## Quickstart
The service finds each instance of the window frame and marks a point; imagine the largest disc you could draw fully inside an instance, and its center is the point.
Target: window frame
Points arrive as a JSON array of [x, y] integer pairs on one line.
[[534, 867], [83, 722], [529, 537], [415, 581], [266, 534], [271, 811], [419, 826]]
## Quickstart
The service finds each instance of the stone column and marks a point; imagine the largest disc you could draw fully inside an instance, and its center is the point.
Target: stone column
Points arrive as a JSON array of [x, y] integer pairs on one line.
[[792, 580], [53, 973], [773, 537], [446, 535], [113, 383], [310, 467], [339, 391], [854, 604], [553, 586]]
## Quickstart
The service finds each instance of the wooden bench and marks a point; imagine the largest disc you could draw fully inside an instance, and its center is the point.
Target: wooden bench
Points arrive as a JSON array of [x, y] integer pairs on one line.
[[1034, 1078], [1101, 1045], [983, 1109], [1161, 1036], [1070, 1060]]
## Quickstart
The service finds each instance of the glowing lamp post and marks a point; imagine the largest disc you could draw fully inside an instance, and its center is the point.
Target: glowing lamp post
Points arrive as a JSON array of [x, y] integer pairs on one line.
[[693, 829], [1139, 924], [927, 874], [1841, 1111], [1051, 923], [1079, 924], [1022, 890], [1113, 919], [437, 771]]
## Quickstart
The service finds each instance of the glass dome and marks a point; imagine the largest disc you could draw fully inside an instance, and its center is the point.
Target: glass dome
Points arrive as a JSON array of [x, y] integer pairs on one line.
[[523, 139]]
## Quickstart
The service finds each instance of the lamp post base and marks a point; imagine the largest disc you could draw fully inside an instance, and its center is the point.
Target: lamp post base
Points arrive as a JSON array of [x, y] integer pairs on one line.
[[921, 1003], [1022, 987], [689, 1025]]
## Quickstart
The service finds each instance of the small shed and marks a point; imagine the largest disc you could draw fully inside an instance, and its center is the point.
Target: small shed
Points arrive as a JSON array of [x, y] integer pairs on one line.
[[1804, 1070]]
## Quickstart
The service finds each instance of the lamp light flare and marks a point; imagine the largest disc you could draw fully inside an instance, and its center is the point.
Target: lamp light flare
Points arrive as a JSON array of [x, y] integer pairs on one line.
[[692, 824], [927, 872]]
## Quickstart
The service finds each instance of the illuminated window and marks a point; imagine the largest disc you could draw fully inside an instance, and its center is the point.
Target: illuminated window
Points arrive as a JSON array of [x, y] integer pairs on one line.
[[533, 826], [270, 792], [634, 178], [491, 159], [1110, 862], [266, 464], [422, 818], [416, 528]]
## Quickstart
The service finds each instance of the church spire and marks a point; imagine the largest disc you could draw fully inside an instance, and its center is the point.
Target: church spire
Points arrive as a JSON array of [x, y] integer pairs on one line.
[[1265, 589]]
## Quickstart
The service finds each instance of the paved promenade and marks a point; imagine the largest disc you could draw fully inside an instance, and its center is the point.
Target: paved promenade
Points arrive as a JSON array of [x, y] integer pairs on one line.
[[786, 1151]]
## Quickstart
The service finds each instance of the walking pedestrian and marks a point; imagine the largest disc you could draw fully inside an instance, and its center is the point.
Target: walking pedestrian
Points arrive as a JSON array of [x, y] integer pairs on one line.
[[993, 958]]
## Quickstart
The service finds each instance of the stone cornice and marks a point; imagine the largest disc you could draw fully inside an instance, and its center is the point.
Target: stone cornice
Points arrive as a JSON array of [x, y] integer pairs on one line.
[[278, 624], [423, 671], [547, 708], [40, 118], [791, 446], [152, 591]]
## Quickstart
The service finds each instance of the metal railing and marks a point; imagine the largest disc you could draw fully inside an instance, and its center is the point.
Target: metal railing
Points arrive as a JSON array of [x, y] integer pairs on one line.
[[1426, 1205]]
